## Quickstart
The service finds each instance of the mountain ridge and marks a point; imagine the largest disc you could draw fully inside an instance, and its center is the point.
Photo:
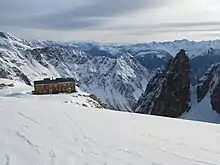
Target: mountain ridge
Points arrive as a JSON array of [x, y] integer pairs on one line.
[[118, 74], [167, 94], [170, 93], [108, 78]]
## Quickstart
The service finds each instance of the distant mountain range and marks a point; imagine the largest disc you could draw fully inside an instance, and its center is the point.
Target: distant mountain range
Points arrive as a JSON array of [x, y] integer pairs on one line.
[[118, 74]]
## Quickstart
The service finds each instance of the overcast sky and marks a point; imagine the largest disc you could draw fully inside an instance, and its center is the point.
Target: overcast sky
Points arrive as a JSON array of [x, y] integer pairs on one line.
[[126, 21]]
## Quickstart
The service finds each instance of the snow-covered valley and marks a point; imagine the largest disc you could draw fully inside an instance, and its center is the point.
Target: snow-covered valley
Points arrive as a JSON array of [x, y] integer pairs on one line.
[[58, 130]]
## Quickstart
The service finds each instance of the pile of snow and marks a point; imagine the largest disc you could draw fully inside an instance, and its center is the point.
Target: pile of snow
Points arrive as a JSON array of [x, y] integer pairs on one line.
[[39, 130]]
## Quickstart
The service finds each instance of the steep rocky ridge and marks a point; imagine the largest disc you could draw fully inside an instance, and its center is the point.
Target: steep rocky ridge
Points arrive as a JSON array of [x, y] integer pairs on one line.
[[209, 86], [169, 91]]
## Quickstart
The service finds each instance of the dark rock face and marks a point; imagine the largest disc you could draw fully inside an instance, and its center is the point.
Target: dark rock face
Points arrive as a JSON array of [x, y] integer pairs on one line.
[[168, 93], [206, 82], [209, 85], [3, 35], [200, 64], [215, 99], [147, 99], [22, 76], [94, 97], [4, 73]]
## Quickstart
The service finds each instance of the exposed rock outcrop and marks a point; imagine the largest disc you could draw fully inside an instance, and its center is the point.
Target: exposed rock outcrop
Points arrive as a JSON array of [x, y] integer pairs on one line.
[[207, 82], [168, 93], [146, 101], [215, 98], [209, 85]]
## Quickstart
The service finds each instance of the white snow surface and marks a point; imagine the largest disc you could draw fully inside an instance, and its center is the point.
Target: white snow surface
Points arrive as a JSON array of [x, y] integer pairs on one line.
[[42, 130]]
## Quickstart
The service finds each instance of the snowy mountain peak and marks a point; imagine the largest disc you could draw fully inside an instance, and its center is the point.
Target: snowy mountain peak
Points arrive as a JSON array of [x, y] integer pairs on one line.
[[10, 42], [3, 35], [9, 36], [212, 51]]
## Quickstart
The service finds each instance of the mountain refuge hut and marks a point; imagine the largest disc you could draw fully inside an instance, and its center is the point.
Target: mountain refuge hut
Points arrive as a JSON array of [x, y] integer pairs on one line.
[[54, 86]]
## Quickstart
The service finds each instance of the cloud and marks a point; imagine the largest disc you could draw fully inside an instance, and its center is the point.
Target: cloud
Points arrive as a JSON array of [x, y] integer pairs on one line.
[[171, 25], [88, 15], [107, 8], [167, 31], [148, 29], [104, 20], [191, 24], [19, 11]]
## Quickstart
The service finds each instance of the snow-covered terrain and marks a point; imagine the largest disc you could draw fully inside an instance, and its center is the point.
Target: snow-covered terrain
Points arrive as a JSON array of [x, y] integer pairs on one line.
[[52, 130], [22, 91]]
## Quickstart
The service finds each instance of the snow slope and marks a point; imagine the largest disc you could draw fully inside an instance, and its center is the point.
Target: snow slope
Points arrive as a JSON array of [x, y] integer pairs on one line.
[[23, 91], [202, 95], [201, 111], [39, 130]]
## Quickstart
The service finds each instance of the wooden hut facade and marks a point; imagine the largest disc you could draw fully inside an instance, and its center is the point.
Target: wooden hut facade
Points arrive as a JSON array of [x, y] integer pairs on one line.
[[54, 86]]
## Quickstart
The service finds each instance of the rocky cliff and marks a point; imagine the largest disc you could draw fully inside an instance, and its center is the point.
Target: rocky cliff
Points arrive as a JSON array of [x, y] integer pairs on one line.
[[168, 93], [209, 86]]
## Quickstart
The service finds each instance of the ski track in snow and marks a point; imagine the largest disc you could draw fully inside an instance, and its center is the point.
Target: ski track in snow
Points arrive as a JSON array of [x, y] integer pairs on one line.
[[23, 137], [189, 158], [29, 118], [51, 158], [76, 127]]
